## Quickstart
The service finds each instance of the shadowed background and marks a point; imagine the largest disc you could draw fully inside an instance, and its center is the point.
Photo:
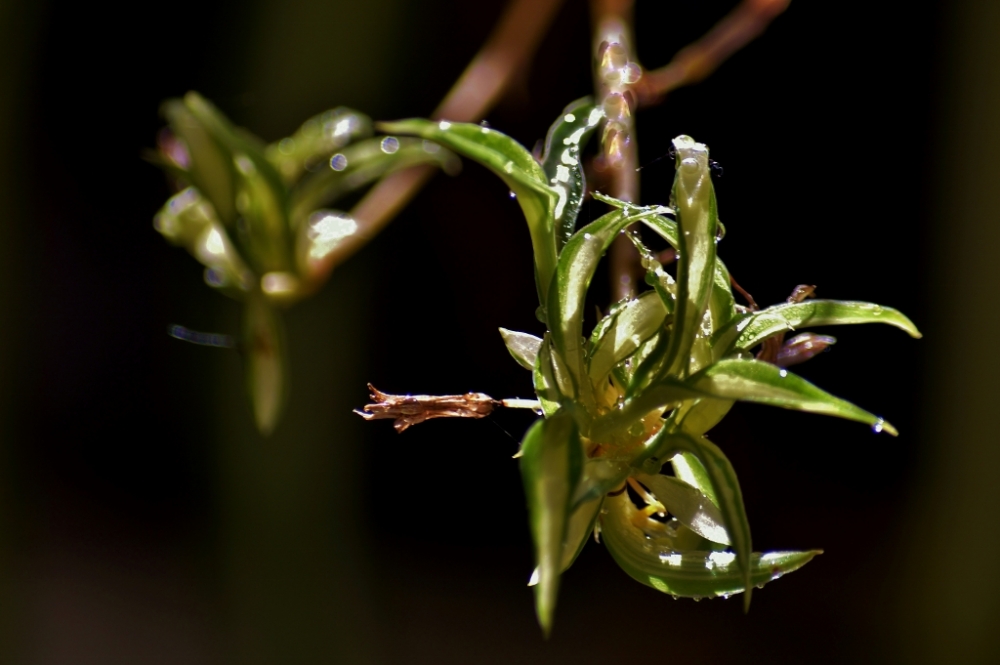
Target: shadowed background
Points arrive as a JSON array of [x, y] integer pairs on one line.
[[142, 519]]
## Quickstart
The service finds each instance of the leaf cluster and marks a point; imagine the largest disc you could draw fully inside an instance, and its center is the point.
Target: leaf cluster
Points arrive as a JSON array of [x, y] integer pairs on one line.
[[255, 214], [622, 450]]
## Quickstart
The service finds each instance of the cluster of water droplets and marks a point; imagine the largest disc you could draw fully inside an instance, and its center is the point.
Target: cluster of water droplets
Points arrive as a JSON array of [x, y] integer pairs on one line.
[[618, 74]]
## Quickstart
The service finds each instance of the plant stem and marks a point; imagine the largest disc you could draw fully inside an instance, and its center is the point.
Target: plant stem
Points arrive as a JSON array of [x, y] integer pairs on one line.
[[508, 49], [613, 23]]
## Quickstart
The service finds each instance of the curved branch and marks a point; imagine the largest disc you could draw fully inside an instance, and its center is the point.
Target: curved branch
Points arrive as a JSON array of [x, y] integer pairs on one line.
[[509, 48]]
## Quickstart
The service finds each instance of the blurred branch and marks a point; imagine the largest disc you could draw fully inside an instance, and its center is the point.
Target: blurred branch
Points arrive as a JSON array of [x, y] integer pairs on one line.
[[613, 25], [613, 21], [508, 49], [698, 60]]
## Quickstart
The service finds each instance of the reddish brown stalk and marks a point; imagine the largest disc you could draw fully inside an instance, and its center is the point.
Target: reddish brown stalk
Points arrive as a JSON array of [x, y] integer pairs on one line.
[[511, 45], [613, 22], [692, 64], [696, 61], [407, 410]]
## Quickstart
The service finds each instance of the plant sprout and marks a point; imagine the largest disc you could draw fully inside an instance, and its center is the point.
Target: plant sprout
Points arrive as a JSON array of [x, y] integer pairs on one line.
[[621, 451], [254, 215]]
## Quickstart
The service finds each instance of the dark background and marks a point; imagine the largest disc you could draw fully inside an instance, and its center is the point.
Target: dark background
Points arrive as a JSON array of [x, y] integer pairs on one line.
[[142, 519]]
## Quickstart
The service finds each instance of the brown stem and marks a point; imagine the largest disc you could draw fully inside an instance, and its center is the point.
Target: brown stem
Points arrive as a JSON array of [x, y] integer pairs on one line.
[[696, 61], [508, 49], [409, 410], [613, 21]]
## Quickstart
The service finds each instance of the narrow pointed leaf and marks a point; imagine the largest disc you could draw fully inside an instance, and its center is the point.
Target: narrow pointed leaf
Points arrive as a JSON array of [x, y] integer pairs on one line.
[[749, 331], [578, 530], [697, 217], [550, 467], [722, 305], [726, 488], [689, 469], [687, 574], [764, 383], [266, 365], [522, 346], [721, 302], [543, 377], [211, 169], [636, 322], [186, 219], [260, 196], [316, 140], [690, 506], [515, 166], [577, 264], [561, 162]]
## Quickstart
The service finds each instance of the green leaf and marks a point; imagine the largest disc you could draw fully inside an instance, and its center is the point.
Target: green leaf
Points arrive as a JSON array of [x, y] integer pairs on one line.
[[186, 219], [697, 216], [561, 162], [600, 476], [551, 457], [317, 140], [580, 526], [361, 164], [726, 489], [544, 379], [749, 331], [265, 359], [260, 196], [721, 303], [522, 346], [739, 380], [211, 168], [515, 166], [764, 383], [689, 505], [668, 393], [636, 321], [577, 263], [686, 574], [689, 469]]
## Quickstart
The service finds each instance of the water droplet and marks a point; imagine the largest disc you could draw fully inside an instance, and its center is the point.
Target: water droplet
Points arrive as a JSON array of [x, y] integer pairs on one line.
[[483, 123], [569, 117], [508, 167], [245, 165], [696, 599], [390, 145], [512, 194], [631, 73], [444, 125], [878, 425], [338, 162], [783, 373], [215, 277], [587, 236]]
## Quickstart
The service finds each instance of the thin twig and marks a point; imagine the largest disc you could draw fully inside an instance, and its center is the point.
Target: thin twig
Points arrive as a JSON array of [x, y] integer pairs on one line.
[[613, 23], [408, 410], [511, 45], [696, 61]]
